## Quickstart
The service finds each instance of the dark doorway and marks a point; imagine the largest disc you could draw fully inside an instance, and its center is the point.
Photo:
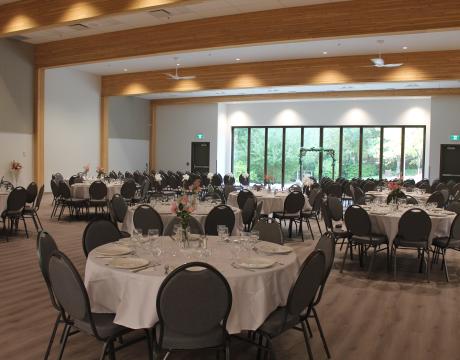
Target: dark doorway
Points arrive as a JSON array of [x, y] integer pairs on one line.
[[450, 163], [200, 157]]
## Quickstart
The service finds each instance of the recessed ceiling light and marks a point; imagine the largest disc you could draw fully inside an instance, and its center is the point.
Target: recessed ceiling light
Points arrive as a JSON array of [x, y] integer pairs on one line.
[[177, 64], [404, 47], [324, 52], [237, 59], [125, 70]]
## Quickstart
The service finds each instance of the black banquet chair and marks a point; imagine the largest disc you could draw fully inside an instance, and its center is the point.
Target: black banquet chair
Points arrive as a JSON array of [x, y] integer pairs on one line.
[[99, 232], [118, 209], [269, 231], [198, 323], [98, 195], [15, 204], [145, 218], [75, 308], [299, 304], [414, 228], [219, 215], [243, 196], [194, 224], [437, 198], [442, 244], [32, 211], [293, 205]]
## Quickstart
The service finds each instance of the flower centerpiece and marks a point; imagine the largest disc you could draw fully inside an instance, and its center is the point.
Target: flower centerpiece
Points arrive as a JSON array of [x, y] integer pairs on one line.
[[395, 192], [183, 208], [244, 179], [307, 181], [210, 176], [100, 172], [158, 178], [15, 168], [86, 170], [269, 180]]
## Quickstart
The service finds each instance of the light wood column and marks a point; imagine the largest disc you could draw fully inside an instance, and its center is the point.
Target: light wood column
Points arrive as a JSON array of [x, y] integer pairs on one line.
[[153, 135], [104, 141], [39, 125]]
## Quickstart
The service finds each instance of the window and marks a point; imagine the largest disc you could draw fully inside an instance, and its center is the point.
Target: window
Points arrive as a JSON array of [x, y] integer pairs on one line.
[[371, 153], [391, 152], [360, 151], [257, 155], [275, 154], [291, 162], [350, 153], [413, 153], [310, 165], [331, 140], [240, 151]]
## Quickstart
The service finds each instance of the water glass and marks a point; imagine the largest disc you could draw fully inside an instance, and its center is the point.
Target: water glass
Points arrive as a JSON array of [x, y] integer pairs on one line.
[[222, 232], [153, 234]]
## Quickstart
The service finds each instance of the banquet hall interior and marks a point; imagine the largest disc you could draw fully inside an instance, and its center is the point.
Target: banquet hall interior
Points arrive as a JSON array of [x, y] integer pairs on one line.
[[230, 179]]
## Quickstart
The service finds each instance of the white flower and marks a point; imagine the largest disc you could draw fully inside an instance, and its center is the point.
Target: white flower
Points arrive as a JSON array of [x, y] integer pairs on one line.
[[246, 175], [185, 177], [210, 175], [307, 181], [158, 178]]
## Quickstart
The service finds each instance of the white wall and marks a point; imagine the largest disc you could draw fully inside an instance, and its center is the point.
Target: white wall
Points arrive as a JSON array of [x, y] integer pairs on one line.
[[16, 108], [177, 126], [128, 154], [72, 126], [324, 112], [445, 120]]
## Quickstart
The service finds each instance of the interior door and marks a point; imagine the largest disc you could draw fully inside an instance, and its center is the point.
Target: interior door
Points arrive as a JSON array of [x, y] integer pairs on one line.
[[450, 163], [200, 157]]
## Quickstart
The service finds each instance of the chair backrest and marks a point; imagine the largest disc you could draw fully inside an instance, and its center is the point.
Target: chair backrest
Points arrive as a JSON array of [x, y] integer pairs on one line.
[[45, 248], [369, 186], [294, 202], [119, 207], [99, 232], [248, 211], [69, 290], [229, 180], [454, 233], [414, 226], [310, 278], [64, 190], [145, 190], [335, 208], [395, 196], [294, 187], [326, 214], [454, 206], [194, 224], [32, 191], [257, 213], [334, 189], [54, 188], [358, 196], [445, 193], [410, 200], [243, 180], [313, 194], [203, 315], [145, 218], [243, 195], [326, 244], [16, 199], [97, 190], [357, 221], [39, 198], [269, 231], [128, 189], [228, 189], [219, 215], [216, 180], [436, 198]]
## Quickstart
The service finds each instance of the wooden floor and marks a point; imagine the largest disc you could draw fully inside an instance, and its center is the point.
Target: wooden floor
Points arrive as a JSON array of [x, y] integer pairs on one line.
[[376, 318]]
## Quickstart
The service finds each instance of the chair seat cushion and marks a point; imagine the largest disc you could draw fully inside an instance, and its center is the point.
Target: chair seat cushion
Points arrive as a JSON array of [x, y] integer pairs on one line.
[[174, 340], [104, 325], [278, 321], [442, 242], [375, 239], [75, 201], [410, 244], [340, 233], [98, 202], [9, 213], [281, 215]]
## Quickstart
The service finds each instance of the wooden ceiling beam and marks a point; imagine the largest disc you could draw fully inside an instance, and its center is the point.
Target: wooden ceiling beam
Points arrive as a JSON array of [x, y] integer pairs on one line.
[[32, 15], [329, 20], [422, 66]]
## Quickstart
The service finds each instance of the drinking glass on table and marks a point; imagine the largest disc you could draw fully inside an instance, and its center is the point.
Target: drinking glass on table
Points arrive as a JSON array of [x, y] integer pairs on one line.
[[222, 232]]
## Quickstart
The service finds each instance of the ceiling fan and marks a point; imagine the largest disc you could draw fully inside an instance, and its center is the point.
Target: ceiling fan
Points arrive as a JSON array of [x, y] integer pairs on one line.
[[176, 75], [380, 63]]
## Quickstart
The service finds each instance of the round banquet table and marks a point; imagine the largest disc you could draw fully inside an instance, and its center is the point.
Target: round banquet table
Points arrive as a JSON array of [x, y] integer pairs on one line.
[[164, 210], [382, 195], [3, 200], [81, 190], [132, 295], [271, 202], [385, 219]]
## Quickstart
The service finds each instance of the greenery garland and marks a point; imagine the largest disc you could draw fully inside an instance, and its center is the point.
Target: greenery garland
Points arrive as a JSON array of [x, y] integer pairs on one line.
[[330, 152]]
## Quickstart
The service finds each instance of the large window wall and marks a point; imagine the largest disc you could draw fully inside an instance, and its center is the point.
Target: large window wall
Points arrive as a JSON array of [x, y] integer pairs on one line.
[[378, 152]]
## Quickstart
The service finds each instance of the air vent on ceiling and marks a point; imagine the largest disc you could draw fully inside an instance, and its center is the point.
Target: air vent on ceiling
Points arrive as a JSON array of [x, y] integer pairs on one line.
[[78, 27], [160, 13], [19, 37]]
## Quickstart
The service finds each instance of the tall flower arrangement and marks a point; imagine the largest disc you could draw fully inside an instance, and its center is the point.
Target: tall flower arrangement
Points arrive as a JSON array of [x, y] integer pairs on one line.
[[395, 192], [15, 168], [100, 172], [86, 170]]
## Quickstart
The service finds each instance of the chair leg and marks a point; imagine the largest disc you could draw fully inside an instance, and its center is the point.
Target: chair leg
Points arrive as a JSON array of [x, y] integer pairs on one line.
[[149, 344], [323, 338], [25, 226], [35, 222], [372, 261], [39, 222], [64, 341], [105, 348], [227, 350], [427, 262], [53, 335], [111, 350], [345, 256], [307, 341], [394, 262], [446, 272]]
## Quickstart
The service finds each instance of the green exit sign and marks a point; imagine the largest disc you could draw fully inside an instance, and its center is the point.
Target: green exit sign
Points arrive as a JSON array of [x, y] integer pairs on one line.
[[454, 137], [199, 136]]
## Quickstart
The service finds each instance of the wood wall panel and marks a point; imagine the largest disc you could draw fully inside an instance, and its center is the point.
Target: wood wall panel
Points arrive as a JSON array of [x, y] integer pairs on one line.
[[39, 126], [104, 133], [424, 66], [342, 19], [29, 15], [153, 136]]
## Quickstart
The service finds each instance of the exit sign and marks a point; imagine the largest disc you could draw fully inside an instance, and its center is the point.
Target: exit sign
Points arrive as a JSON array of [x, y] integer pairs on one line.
[[454, 137], [199, 136]]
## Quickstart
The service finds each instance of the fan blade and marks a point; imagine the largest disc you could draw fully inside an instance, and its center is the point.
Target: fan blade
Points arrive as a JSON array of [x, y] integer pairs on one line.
[[186, 77], [392, 65], [378, 61], [171, 76]]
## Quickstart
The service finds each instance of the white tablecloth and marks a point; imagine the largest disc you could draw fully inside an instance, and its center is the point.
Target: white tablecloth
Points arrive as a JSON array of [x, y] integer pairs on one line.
[[388, 224], [81, 190], [382, 195], [3, 199], [271, 202], [200, 214], [132, 296]]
